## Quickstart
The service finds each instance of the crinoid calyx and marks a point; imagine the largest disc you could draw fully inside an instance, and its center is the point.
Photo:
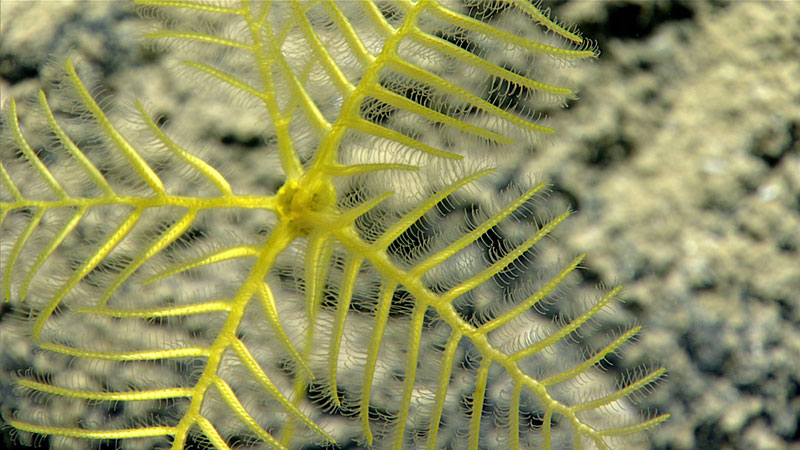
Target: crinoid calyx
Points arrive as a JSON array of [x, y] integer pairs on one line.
[[362, 280]]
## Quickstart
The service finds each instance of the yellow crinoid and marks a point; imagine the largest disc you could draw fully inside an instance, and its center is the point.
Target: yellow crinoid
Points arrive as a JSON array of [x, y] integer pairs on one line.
[[368, 298]]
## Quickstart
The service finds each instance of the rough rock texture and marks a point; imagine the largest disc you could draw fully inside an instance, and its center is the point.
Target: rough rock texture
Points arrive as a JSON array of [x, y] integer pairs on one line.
[[683, 160]]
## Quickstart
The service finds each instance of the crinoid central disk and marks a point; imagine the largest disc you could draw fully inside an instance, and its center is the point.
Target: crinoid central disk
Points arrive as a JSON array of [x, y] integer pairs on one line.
[[307, 203]]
